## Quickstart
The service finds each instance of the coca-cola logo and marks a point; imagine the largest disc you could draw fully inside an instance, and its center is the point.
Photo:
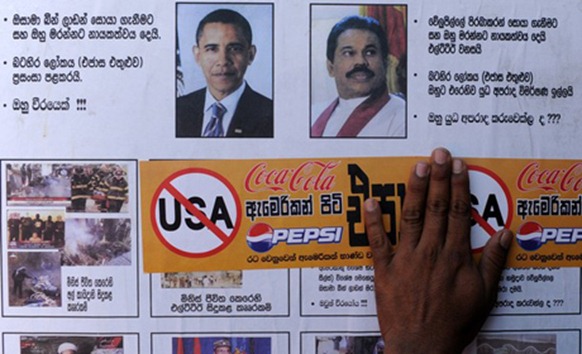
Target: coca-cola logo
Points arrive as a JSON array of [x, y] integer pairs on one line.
[[308, 176], [534, 177]]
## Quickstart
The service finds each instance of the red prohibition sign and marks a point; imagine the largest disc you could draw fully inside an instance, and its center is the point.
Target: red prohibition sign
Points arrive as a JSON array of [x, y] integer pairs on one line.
[[483, 227], [211, 238]]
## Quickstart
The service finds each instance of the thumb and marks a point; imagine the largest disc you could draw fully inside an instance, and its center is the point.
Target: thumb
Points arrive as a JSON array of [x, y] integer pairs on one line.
[[493, 259]]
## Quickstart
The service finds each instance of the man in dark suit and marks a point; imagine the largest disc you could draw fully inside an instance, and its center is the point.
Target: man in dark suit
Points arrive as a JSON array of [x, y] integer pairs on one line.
[[227, 106]]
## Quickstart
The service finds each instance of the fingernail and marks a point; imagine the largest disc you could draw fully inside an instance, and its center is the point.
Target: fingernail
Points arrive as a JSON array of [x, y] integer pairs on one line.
[[421, 169], [370, 204], [505, 239], [457, 166], [440, 156]]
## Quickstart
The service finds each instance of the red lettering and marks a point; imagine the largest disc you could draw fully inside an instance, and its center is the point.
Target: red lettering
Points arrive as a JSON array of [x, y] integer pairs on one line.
[[532, 177], [296, 178], [301, 179], [526, 176], [572, 178], [308, 176], [258, 179], [249, 177], [328, 183], [282, 177], [553, 177], [270, 177]]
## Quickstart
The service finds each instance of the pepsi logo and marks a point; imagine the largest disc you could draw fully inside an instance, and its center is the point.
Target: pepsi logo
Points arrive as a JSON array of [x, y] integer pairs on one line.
[[260, 237], [529, 236]]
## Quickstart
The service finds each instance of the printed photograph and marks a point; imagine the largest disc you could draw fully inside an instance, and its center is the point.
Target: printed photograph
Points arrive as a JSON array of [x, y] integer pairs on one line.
[[39, 229], [358, 71], [91, 188], [221, 345], [34, 279], [349, 345], [97, 242], [219, 279], [224, 70], [38, 184], [70, 345], [518, 343]]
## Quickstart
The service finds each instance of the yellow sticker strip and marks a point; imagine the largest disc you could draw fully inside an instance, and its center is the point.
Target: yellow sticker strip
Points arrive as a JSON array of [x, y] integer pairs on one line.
[[286, 213]]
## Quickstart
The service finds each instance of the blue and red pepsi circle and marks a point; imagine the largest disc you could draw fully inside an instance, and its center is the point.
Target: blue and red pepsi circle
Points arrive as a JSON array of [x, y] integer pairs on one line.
[[529, 236], [260, 237]]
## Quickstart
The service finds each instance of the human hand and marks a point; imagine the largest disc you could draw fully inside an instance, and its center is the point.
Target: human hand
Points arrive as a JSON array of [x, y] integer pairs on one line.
[[431, 295]]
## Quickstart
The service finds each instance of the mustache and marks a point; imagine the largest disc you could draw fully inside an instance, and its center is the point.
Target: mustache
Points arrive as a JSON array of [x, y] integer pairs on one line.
[[360, 68]]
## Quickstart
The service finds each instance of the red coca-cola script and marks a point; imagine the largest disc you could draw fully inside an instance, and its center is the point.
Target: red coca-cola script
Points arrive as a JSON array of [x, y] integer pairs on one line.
[[534, 177], [308, 176]]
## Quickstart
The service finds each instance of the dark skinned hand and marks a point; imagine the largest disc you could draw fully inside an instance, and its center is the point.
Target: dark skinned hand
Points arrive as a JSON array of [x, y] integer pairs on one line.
[[431, 296]]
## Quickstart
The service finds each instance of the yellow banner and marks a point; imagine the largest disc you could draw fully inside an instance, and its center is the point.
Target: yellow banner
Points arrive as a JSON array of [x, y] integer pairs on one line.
[[284, 213]]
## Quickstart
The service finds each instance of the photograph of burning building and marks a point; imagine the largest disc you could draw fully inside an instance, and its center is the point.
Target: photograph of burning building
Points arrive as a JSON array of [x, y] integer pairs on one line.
[[95, 242]]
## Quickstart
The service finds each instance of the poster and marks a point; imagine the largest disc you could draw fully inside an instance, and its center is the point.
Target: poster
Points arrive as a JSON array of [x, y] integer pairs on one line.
[[99, 88]]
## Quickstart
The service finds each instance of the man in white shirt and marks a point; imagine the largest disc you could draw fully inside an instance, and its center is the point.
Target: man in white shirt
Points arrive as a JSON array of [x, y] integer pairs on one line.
[[357, 59]]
